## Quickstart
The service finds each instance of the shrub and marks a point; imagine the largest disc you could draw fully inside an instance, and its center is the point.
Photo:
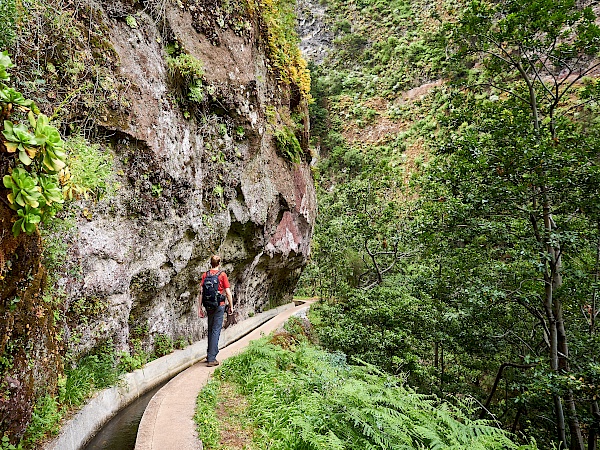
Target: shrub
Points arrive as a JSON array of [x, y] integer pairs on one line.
[[8, 20]]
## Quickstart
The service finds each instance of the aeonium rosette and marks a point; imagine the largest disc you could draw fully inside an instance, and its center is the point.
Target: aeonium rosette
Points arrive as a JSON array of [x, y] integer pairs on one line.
[[33, 181]]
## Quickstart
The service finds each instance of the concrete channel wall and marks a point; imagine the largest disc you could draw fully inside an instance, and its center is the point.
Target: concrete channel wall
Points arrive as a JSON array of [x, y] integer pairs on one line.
[[80, 429]]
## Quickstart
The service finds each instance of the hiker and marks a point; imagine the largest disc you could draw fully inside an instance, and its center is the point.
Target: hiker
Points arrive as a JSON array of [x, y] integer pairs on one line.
[[215, 292]]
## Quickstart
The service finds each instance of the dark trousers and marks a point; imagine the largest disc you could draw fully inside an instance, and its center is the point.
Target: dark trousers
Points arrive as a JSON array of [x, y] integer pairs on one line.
[[215, 323]]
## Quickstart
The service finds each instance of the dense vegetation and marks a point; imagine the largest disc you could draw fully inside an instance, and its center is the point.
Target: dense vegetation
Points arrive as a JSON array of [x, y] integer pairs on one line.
[[458, 237], [299, 396]]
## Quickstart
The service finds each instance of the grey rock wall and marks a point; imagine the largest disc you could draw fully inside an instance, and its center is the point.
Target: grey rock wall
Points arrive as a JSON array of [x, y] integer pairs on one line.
[[316, 37], [189, 187]]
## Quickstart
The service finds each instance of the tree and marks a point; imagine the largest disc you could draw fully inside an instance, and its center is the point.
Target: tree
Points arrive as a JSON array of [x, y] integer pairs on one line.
[[517, 152]]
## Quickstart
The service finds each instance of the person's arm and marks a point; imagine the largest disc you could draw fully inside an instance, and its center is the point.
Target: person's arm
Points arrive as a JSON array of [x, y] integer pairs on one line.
[[229, 299], [200, 309]]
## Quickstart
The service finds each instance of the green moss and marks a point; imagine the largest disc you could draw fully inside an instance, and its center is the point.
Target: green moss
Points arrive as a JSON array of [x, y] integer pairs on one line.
[[279, 30]]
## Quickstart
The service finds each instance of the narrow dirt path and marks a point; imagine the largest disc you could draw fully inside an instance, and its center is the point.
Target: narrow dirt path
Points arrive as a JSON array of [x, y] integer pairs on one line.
[[168, 422]]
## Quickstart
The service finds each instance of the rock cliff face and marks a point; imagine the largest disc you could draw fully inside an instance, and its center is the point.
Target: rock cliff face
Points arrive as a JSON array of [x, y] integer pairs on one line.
[[191, 186], [197, 170], [316, 37]]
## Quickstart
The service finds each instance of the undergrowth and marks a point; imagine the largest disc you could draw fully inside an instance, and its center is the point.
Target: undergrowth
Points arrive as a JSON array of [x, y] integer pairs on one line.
[[93, 372], [304, 397]]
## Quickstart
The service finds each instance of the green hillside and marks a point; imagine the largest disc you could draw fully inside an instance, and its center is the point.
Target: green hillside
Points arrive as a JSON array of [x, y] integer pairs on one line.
[[458, 232]]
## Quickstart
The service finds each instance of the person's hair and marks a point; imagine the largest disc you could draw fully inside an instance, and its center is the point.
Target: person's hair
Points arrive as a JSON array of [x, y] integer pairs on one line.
[[215, 260]]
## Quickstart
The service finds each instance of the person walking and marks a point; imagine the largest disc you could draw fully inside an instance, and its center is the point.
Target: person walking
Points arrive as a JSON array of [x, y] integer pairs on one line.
[[215, 292]]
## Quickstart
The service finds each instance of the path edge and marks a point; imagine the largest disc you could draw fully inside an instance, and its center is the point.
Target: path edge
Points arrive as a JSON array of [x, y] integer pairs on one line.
[[82, 427]]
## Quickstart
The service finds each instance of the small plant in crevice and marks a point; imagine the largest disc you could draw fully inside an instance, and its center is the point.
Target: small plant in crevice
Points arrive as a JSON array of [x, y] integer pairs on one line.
[[135, 359], [6, 445], [163, 345], [131, 22], [287, 144], [89, 172], [181, 342], [187, 72]]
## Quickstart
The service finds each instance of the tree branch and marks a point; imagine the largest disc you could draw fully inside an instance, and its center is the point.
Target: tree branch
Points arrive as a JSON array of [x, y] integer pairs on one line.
[[503, 366]]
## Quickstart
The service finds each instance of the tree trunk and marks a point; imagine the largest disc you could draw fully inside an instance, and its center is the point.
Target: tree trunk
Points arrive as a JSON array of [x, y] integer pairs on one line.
[[592, 311], [559, 349], [552, 280], [442, 370], [595, 428], [516, 421]]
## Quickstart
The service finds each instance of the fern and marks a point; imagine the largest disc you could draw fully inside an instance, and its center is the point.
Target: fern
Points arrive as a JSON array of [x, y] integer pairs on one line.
[[309, 399]]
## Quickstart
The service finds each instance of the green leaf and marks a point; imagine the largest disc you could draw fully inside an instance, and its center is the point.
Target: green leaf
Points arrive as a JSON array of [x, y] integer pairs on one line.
[[50, 189], [5, 63], [19, 138], [10, 95], [28, 219], [24, 188]]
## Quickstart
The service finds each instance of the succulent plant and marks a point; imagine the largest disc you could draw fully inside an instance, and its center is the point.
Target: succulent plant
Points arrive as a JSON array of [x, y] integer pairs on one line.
[[28, 218], [51, 192], [48, 137], [33, 186], [9, 95], [5, 63], [19, 138], [24, 189]]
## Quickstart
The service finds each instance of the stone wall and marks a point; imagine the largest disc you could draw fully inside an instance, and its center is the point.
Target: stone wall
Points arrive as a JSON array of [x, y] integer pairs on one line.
[[189, 179]]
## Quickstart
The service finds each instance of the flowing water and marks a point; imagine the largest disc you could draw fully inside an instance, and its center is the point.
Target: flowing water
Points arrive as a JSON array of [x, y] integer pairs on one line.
[[120, 432]]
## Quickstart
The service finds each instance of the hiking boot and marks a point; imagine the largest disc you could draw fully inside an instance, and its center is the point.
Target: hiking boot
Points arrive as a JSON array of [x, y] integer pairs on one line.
[[212, 363]]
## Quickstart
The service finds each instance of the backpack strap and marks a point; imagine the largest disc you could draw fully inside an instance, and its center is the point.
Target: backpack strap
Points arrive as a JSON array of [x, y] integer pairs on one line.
[[208, 273]]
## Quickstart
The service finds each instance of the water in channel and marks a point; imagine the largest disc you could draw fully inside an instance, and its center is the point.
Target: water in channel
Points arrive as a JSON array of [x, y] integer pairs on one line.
[[120, 432]]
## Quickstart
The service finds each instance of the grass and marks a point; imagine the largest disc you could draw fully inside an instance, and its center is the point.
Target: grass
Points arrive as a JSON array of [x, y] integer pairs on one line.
[[221, 417], [206, 417]]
